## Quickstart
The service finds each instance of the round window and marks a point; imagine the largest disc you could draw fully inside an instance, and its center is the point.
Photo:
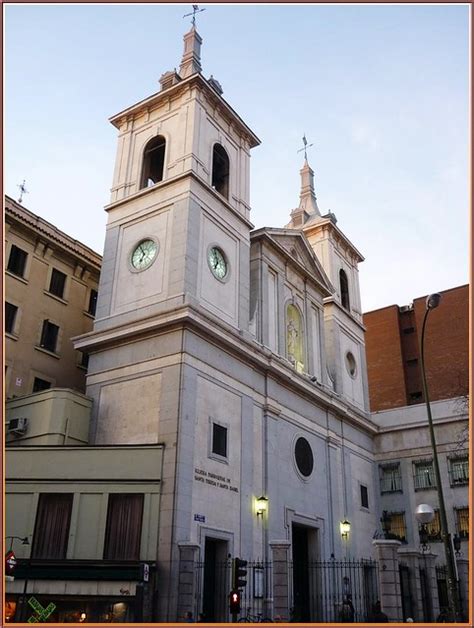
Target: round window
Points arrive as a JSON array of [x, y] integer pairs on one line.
[[304, 457], [351, 365]]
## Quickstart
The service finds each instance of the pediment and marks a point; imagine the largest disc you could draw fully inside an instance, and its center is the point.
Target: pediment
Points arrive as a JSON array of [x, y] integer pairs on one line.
[[297, 248]]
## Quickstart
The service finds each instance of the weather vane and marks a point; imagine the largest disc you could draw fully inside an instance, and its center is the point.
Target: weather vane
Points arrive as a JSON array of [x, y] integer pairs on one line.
[[196, 9], [306, 146], [23, 190]]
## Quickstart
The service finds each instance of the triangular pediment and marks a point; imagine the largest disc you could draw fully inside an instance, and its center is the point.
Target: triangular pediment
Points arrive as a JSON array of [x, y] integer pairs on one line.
[[297, 248]]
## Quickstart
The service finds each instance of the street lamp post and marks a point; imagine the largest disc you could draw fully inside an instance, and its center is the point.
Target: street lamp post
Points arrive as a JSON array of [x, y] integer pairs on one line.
[[432, 302]]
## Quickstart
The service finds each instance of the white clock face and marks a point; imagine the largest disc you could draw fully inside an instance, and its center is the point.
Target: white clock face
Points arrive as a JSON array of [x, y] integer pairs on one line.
[[144, 254], [217, 262]]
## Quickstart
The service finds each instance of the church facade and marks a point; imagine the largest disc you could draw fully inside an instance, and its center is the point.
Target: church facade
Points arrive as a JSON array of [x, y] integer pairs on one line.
[[226, 411], [240, 351]]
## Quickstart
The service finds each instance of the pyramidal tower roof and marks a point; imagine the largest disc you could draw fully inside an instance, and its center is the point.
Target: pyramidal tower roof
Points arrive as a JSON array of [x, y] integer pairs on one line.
[[308, 206]]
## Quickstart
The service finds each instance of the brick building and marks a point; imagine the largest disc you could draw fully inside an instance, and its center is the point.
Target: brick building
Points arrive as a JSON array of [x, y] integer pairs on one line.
[[393, 356]]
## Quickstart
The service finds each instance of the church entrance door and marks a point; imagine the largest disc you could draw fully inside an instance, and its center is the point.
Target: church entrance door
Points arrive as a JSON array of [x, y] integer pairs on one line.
[[215, 582], [304, 552]]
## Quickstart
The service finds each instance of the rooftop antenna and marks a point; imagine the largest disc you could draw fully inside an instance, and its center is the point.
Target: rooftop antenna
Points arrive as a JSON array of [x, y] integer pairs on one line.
[[305, 147], [196, 9], [23, 190]]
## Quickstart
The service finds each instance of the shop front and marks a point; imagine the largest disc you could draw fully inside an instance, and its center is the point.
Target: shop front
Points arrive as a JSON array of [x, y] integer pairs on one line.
[[80, 592]]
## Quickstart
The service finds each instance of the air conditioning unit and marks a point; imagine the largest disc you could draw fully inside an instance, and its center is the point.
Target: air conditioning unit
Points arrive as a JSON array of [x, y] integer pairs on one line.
[[17, 426]]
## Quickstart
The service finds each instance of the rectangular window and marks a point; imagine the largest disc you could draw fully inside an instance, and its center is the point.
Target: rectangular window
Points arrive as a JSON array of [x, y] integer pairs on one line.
[[84, 359], [124, 526], [364, 496], [53, 518], [57, 283], [219, 440], [17, 261], [434, 528], [40, 384], [409, 330], [92, 302], [10, 316], [459, 471], [398, 528], [424, 475], [390, 478], [462, 522], [49, 336]]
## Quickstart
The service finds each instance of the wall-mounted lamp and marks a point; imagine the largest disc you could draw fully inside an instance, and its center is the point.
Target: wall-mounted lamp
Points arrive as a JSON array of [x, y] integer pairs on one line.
[[345, 527], [261, 505], [457, 544]]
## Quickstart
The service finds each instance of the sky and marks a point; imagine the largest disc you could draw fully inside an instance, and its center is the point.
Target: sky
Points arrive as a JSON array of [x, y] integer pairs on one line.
[[381, 91]]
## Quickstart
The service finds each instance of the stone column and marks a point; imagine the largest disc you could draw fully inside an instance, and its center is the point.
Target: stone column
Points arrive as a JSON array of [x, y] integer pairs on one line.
[[281, 585], [187, 578], [428, 562], [386, 551], [463, 575]]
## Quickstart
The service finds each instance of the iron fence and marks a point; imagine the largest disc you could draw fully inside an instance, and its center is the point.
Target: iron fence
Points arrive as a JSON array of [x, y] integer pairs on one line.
[[333, 590]]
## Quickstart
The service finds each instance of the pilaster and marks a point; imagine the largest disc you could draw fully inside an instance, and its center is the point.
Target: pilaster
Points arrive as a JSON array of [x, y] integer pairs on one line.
[[386, 551]]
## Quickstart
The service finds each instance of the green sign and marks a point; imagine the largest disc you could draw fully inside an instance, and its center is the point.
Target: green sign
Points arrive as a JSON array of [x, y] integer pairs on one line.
[[41, 613]]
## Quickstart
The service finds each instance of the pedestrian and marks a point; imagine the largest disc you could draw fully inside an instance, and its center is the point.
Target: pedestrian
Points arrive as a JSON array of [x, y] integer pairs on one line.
[[443, 617], [377, 616], [347, 612], [188, 617], [409, 620], [201, 618]]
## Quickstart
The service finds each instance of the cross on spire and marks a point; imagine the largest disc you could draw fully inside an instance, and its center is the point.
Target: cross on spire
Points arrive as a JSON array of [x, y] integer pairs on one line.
[[196, 9], [305, 147], [23, 190]]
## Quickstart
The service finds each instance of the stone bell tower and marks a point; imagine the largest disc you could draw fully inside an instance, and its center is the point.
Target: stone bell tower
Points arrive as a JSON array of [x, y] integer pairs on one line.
[[344, 330]]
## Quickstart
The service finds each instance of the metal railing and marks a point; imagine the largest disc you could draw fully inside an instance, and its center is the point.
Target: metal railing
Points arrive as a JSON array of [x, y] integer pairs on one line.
[[333, 590]]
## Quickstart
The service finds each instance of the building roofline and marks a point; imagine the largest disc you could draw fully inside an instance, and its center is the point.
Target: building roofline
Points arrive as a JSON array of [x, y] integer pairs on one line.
[[18, 212]]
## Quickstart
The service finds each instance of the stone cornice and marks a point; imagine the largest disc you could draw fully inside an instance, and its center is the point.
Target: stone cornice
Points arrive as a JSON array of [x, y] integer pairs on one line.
[[224, 336], [177, 179], [336, 233], [196, 80], [265, 233], [16, 212]]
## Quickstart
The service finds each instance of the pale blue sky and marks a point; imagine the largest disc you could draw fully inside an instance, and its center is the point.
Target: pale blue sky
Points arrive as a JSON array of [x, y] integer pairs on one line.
[[381, 90]]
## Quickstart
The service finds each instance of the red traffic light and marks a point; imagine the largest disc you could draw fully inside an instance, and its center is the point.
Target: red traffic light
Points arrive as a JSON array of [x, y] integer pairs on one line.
[[234, 602], [10, 563]]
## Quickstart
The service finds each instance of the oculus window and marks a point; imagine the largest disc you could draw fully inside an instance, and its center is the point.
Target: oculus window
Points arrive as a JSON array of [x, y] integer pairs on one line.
[[304, 457]]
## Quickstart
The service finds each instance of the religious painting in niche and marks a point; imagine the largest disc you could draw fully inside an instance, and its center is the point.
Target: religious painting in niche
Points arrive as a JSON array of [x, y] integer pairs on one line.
[[294, 337]]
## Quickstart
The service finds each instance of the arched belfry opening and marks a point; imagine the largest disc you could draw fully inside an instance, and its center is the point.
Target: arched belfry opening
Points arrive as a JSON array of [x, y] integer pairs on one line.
[[153, 162], [344, 286], [220, 170]]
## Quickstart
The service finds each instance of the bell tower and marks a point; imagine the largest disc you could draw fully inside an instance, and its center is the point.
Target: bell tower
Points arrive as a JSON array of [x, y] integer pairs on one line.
[[181, 191], [177, 240], [344, 330]]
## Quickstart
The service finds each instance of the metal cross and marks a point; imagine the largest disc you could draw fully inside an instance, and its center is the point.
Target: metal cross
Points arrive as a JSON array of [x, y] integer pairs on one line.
[[306, 145], [23, 190], [196, 9]]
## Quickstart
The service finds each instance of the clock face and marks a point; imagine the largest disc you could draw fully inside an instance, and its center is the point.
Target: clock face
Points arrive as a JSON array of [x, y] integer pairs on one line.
[[217, 262], [144, 254]]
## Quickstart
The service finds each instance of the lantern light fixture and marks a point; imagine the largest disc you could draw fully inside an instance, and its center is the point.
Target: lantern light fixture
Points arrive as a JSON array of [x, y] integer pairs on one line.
[[345, 527], [261, 505]]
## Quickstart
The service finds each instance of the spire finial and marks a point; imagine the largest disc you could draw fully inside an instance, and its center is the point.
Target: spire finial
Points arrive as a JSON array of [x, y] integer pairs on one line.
[[196, 9], [191, 61], [305, 147], [23, 190]]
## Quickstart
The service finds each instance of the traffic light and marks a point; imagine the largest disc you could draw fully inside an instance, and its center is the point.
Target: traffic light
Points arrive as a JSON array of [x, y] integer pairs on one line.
[[239, 573], [234, 602], [10, 563]]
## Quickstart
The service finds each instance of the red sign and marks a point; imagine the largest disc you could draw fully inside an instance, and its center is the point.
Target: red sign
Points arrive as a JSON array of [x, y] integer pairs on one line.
[[10, 563]]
